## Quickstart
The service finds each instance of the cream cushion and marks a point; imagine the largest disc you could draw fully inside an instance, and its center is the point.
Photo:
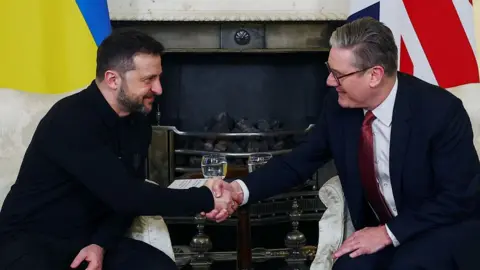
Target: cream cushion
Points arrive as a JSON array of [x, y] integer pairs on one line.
[[152, 230], [20, 113], [334, 226]]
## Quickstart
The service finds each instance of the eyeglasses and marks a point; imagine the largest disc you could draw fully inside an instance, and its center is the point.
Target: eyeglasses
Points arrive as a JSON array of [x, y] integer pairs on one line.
[[337, 78]]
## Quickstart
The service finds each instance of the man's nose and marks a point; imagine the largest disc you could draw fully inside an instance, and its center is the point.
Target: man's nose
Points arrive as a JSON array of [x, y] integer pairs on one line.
[[331, 81], [157, 88]]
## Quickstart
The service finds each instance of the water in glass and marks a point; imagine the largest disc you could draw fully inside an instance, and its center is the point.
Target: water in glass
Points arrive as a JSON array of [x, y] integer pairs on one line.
[[256, 161], [214, 165]]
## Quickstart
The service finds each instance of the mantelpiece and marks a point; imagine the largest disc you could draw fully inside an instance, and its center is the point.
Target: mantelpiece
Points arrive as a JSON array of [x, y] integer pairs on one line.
[[228, 10]]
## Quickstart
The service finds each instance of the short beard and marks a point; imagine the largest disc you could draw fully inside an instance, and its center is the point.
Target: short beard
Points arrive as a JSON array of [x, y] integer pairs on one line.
[[129, 104]]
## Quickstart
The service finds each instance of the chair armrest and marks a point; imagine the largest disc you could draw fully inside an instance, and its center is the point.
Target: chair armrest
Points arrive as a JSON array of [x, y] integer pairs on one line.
[[152, 230], [334, 226]]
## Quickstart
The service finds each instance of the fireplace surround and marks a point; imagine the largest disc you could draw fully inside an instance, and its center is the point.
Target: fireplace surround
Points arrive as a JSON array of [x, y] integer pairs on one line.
[[257, 69], [276, 74], [259, 60]]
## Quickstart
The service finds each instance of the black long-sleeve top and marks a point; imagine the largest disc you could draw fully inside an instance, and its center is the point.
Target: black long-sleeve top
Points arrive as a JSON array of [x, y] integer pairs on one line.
[[82, 177]]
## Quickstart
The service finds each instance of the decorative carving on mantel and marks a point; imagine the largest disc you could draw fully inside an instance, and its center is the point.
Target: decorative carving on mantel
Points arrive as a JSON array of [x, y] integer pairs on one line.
[[228, 10]]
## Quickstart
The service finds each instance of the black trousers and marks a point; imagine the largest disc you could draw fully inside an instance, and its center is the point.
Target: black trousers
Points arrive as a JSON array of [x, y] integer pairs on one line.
[[445, 248], [26, 251]]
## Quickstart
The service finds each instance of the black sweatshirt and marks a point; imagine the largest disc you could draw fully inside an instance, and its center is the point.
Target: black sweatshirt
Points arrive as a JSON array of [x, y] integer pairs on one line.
[[82, 177]]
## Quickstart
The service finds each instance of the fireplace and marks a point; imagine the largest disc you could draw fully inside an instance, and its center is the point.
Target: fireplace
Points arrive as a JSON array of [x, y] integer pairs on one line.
[[240, 77], [256, 94]]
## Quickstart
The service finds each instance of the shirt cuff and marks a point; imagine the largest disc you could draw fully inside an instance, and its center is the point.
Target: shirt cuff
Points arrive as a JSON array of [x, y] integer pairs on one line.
[[246, 193], [394, 239]]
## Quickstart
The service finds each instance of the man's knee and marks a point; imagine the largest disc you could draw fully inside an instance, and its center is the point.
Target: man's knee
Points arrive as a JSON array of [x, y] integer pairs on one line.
[[343, 263], [405, 264], [152, 258], [379, 260], [431, 250], [157, 260], [133, 254], [347, 263]]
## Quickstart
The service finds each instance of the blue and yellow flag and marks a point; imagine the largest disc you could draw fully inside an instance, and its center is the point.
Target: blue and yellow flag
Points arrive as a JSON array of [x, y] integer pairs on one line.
[[48, 50], [49, 46]]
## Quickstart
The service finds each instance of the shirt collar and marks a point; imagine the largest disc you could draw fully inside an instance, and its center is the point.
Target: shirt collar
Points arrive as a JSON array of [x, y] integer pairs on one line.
[[384, 111], [106, 112]]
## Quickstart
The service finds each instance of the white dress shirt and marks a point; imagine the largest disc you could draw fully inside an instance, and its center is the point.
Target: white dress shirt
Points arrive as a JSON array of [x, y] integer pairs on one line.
[[381, 128]]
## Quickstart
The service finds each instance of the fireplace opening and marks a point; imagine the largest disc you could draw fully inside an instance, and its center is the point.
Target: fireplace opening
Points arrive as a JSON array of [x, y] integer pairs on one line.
[[236, 104], [284, 87]]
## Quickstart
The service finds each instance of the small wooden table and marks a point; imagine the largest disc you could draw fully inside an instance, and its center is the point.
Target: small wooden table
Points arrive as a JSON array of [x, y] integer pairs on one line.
[[244, 244], [244, 237]]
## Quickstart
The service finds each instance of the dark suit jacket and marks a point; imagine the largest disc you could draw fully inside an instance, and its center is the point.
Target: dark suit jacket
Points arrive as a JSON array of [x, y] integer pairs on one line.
[[434, 167]]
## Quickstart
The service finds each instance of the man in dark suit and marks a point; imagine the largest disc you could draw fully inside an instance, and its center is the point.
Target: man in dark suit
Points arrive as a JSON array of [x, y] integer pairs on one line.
[[404, 153]]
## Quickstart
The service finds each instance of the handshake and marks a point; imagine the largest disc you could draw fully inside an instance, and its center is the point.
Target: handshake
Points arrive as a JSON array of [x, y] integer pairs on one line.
[[227, 197]]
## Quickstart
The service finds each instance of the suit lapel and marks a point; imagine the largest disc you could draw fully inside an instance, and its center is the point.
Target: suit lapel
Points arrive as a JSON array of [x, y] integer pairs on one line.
[[399, 137]]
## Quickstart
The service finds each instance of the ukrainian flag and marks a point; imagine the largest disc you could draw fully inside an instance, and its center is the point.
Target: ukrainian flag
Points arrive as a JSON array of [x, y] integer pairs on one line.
[[49, 46], [48, 50]]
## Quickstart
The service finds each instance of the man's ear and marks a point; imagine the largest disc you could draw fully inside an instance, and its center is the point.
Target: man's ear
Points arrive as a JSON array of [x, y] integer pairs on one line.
[[376, 76], [112, 79]]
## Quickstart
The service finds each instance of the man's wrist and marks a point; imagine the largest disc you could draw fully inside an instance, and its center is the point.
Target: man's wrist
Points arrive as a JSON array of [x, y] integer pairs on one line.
[[391, 237], [244, 190], [388, 239]]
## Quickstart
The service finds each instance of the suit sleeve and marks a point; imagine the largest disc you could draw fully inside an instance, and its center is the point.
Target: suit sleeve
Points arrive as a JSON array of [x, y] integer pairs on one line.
[[114, 226], [111, 230], [76, 148], [284, 172], [456, 170]]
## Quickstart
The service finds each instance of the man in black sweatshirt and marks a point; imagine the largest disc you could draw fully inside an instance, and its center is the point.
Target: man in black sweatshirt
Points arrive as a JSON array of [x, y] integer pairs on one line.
[[82, 180]]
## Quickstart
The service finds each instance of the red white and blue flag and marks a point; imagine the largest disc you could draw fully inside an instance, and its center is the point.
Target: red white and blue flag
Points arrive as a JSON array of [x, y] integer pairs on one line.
[[436, 38]]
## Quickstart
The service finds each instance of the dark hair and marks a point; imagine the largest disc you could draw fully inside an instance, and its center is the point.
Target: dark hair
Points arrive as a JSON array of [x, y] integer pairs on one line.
[[117, 51]]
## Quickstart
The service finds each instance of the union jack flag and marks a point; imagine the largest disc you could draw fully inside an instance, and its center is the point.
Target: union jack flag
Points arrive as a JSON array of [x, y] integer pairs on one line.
[[435, 37]]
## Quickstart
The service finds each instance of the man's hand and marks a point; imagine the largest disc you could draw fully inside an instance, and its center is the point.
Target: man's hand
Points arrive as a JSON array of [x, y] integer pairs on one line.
[[225, 205], [219, 188], [93, 254], [366, 241]]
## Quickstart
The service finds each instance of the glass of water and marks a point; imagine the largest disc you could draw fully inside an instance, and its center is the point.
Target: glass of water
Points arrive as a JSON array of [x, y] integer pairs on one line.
[[256, 161], [214, 165]]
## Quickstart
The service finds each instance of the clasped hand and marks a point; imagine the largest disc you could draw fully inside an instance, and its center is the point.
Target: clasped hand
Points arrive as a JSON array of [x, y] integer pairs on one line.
[[227, 196]]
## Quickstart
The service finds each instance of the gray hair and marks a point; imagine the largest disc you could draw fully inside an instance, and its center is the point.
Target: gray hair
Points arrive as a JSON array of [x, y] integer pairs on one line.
[[372, 43]]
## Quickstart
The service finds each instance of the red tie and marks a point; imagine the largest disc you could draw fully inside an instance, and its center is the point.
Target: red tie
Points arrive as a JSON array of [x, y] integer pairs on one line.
[[367, 171]]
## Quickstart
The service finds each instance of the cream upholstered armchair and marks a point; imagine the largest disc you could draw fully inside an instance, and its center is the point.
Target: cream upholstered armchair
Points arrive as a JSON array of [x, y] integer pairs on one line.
[[335, 225], [20, 114]]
